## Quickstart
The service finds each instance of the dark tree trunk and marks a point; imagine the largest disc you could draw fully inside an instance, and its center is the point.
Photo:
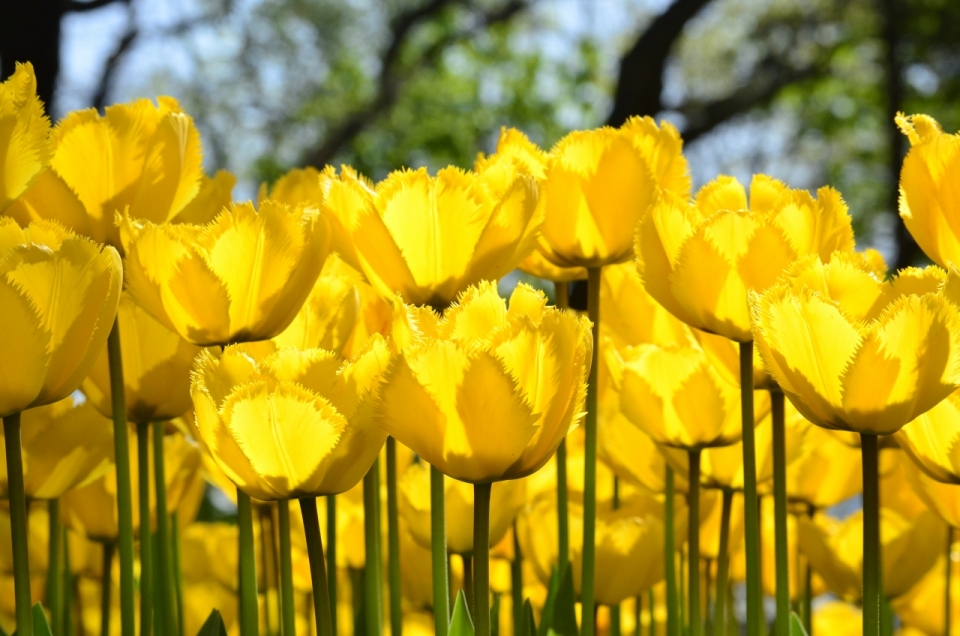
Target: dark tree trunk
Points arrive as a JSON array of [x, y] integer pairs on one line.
[[30, 32]]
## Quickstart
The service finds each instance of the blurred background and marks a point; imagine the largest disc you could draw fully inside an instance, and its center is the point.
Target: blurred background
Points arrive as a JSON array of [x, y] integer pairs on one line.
[[804, 90]]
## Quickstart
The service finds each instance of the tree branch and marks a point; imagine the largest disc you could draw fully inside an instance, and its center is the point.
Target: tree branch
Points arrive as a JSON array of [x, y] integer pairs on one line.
[[107, 75], [76, 6]]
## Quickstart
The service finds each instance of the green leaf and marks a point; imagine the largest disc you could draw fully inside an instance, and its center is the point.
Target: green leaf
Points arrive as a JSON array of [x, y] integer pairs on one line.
[[495, 616], [528, 624], [460, 623], [796, 627], [213, 626], [40, 625], [559, 612]]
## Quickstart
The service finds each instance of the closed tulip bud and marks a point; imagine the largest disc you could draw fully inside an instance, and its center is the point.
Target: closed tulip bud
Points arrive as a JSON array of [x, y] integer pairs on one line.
[[507, 498], [429, 238], [59, 294], [909, 548], [293, 424], [700, 259], [242, 277], [928, 196], [156, 369], [491, 396], [826, 473], [64, 445], [23, 134], [599, 183], [854, 352], [931, 440]]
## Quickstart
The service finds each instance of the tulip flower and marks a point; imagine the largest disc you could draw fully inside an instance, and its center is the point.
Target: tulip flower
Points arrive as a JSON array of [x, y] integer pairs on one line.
[[298, 186], [928, 199], [507, 498], [923, 609], [23, 131], [931, 440], [826, 472], [941, 498], [242, 277], [837, 617]]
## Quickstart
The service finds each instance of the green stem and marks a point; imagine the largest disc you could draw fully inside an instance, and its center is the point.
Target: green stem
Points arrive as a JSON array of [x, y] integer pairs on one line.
[[249, 610], [638, 616], [723, 565], [615, 609], [177, 571], [18, 523], [590, 458], [288, 615], [871, 535], [516, 582], [780, 511], [563, 516], [467, 561], [332, 557], [356, 599], [318, 570], [373, 586], [438, 550], [652, 602], [163, 533], [65, 628], [393, 541], [481, 558], [751, 513], [808, 587], [121, 447], [54, 572], [146, 552], [948, 583], [105, 585], [693, 542], [670, 564], [267, 564]]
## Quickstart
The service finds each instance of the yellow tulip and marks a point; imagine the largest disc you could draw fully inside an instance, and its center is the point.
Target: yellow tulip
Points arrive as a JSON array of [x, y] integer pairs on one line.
[[826, 473], [156, 369], [507, 498], [23, 134], [941, 498], [599, 183], [242, 277], [416, 574], [768, 562], [214, 195], [929, 201], [59, 294], [300, 185], [909, 548], [631, 316], [856, 353], [294, 424], [37, 529], [711, 518], [209, 554], [931, 440], [837, 617], [491, 395], [545, 479], [537, 265], [700, 259], [64, 445], [429, 238], [921, 609]]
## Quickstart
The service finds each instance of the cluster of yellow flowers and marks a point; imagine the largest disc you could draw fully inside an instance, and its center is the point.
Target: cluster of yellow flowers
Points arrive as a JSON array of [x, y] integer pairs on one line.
[[545, 471]]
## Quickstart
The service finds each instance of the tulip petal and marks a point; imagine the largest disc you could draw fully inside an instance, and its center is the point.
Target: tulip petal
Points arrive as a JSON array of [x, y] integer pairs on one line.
[[49, 197], [839, 576], [25, 350], [24, 128], [723, 194], [172, 170], [212, 197]]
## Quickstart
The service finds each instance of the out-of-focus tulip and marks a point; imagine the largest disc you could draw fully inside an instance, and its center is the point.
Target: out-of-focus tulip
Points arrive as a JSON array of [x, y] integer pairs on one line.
[[837, 617], [631, 316], [64, 445], [545, 479], [909, 548], [242, 277], [922, 607], [856, 353], [700, 259], [209, 558], [599, 183], [429, 238], [929, 201], [300, 185], [941, 498], [931, 440], [507, 498], [416, 574], [537, 265], [826, 473], [59, 294], [724, 354], [37, 547], [711, 517], [488, 393], [768, 562], [294, 424], [23, 134], [156, 369]]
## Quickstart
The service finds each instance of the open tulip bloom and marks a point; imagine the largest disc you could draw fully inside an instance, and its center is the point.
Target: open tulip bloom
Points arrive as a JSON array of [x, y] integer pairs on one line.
[[857, 353]]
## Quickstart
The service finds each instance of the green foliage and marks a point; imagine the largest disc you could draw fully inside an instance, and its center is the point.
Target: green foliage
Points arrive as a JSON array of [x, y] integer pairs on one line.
[[796, 626], [40, 625], [528, 624], [559, 611], [495, 616], [460, 622], [213, 626]]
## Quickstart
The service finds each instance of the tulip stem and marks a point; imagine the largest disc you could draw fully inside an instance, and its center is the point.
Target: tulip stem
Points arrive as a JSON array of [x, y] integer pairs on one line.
[[563, 516], [693, 542], [287, 613], [177, 570], [615, 609], [105, 583], [249, 609], [266, 547], [670, 564], [948, 581], [652, 601], [590, 458], [332, 557], [751, 512], [438, 549], [393, 541], [54, 570], [146, 552], [373, 582], [808, 586], [723, 565], [871, 535], [780, 511], [18, 523], [318, 569], [481, 558], [65, 627], [163, 532], [121, 447], [516, 582]]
